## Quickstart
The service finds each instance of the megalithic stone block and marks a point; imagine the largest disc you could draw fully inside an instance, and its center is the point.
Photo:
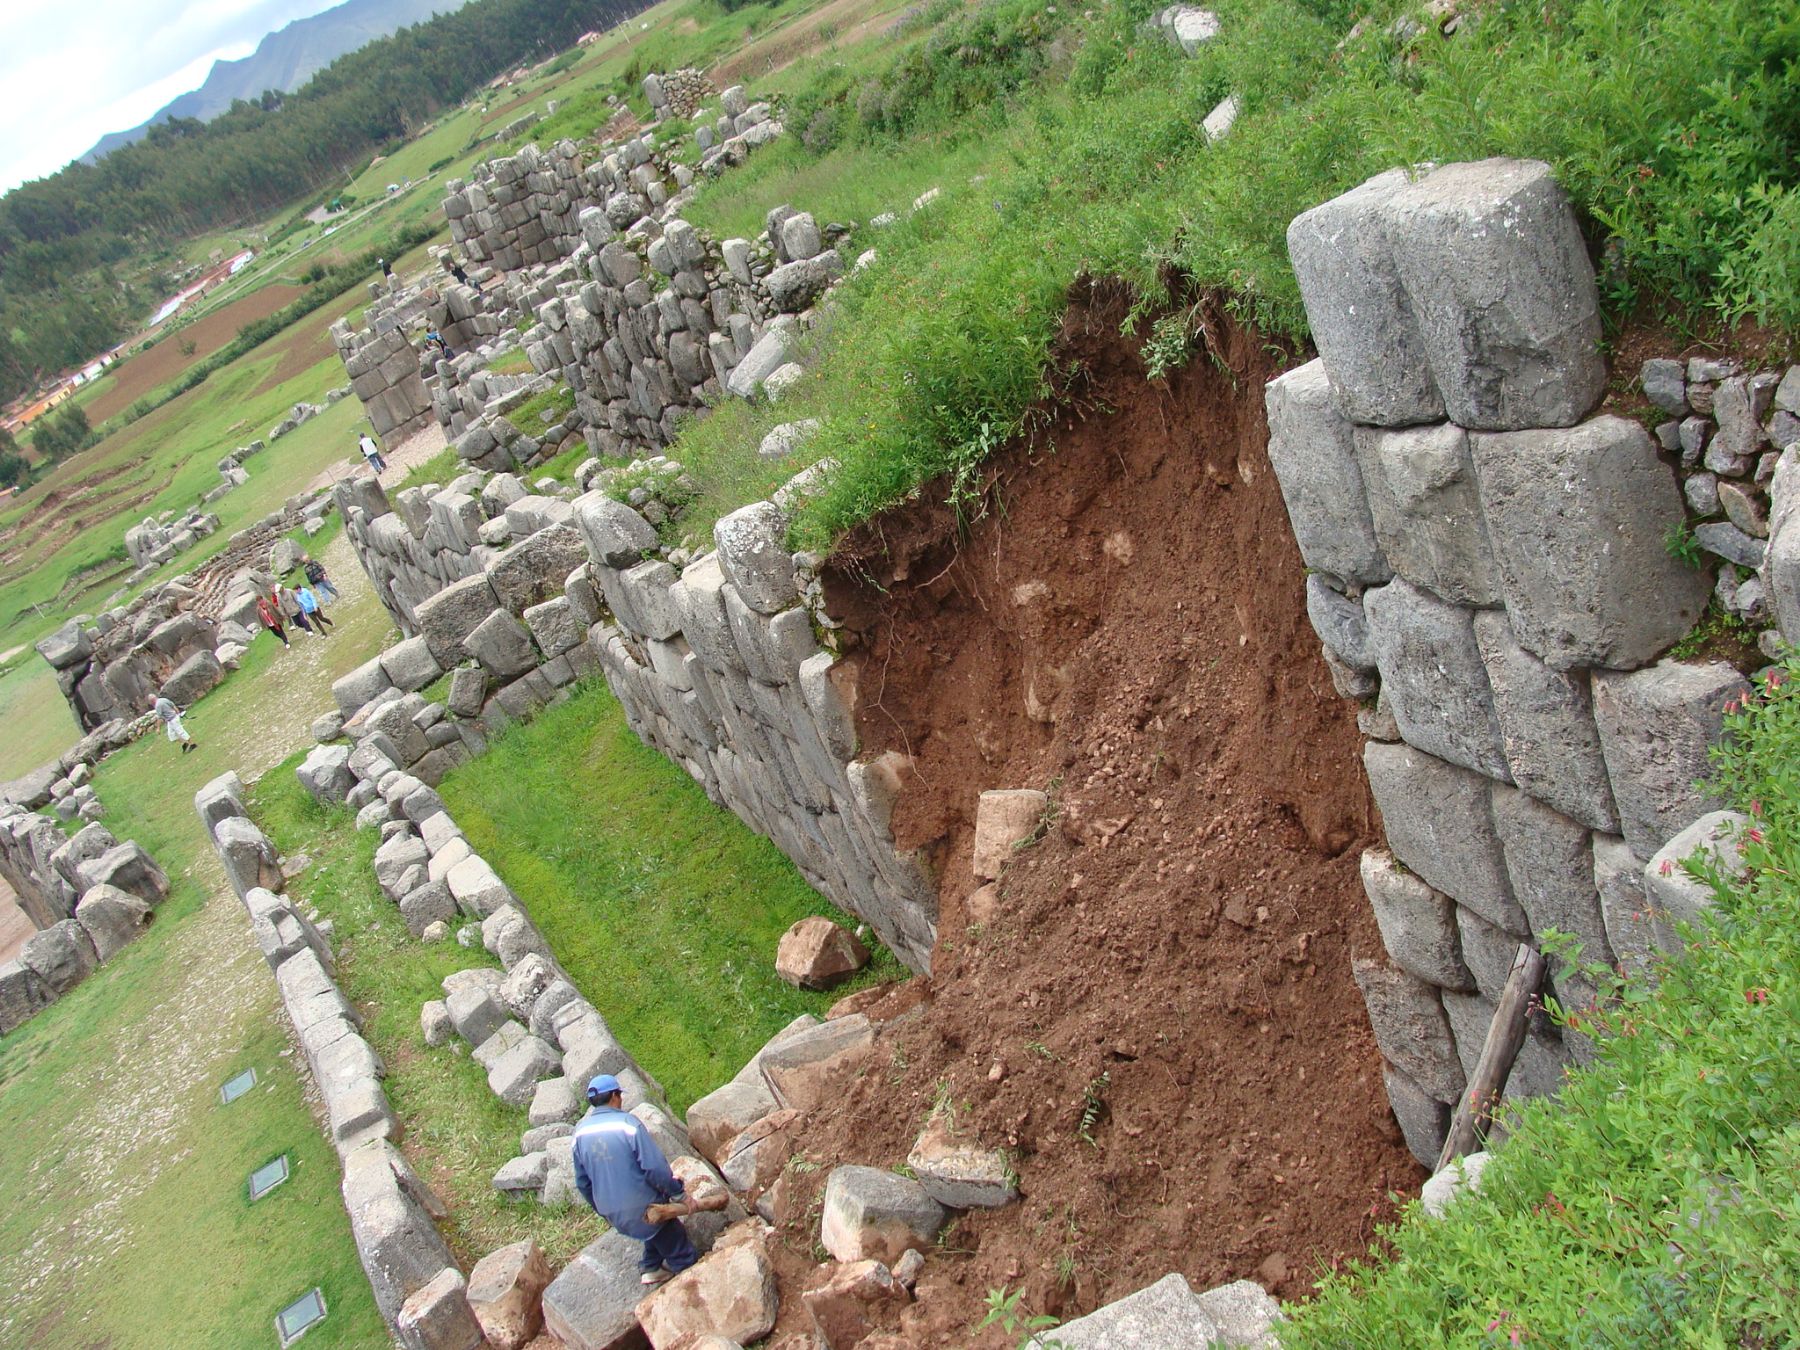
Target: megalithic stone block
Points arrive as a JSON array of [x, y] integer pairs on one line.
[[1578, 520]]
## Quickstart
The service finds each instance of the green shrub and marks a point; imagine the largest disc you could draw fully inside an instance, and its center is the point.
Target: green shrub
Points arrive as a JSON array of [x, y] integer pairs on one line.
[[1651, 1205]]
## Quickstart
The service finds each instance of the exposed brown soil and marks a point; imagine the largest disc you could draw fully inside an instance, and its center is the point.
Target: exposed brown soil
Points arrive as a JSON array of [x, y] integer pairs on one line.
[[1126, 628], [149, 370]]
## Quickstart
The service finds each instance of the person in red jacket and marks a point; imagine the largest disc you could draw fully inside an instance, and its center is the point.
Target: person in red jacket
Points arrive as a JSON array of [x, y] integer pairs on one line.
[[271, 618]]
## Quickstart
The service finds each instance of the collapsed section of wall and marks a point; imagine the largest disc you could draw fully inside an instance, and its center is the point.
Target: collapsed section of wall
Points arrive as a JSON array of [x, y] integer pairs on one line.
[[1488, 574], [88, 894]]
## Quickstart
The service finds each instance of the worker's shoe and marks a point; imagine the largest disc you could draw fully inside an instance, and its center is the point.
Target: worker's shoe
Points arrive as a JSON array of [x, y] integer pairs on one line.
[[657, 1276]]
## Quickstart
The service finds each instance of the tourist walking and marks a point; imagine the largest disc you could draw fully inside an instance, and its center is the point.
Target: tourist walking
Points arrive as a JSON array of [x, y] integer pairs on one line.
[[316, 578], [372, 452], [271, 619], [289, 605], [170, 716], [312, 612], [621, 1172]]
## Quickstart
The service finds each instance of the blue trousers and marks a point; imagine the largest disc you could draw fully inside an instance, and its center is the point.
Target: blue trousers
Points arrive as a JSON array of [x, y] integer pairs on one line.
[[668, 1246]]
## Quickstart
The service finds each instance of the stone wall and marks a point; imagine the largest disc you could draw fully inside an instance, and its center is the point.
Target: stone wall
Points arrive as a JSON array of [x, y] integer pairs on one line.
[[88, 894], [1488, 574], [393, 1213], [717, 666]]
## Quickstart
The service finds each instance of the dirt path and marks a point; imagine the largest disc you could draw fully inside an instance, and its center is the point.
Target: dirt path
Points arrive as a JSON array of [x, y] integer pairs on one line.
[[14, 926], [401, 460]]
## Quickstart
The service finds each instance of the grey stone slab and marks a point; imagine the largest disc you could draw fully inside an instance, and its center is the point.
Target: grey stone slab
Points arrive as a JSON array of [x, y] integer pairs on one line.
[[1160, 1316], [1424, 1120], [1496, 273], [1357, 310], [1407, 1016], [1550, 859], [1418, 924], [1631, 928], [1657, 727], [1427, 511], [1578, 520], [1313, 453], [1434, 678], [1547, 729], [1440, 824]]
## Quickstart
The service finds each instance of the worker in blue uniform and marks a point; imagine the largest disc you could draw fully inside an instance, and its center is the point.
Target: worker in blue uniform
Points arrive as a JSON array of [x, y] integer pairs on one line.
[[621, 1172]]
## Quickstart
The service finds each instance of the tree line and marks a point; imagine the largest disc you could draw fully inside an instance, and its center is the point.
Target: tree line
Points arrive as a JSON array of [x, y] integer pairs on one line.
[[61, 236]]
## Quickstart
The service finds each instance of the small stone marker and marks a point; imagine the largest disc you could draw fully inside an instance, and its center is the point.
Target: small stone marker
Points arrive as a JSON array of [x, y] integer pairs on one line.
[[233, 1088], [302, 1314], [267, 1177]]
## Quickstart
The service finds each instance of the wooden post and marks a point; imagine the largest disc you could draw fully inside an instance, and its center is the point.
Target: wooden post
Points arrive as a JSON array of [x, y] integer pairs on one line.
[[1505, 1035]]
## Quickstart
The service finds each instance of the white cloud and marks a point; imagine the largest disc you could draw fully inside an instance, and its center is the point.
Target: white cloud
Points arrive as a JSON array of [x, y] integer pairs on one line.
[[64, 84]]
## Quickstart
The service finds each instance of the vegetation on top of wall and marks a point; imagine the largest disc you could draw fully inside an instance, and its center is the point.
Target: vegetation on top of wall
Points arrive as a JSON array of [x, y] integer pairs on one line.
[[943, 347], [1651, 1204]]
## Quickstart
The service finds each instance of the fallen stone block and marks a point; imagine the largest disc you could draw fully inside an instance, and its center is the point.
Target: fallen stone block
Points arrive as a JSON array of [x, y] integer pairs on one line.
[[869, 1213], [506, 1291], [729, 1293], [816, 954], [1157, 1317], [436, 1316]]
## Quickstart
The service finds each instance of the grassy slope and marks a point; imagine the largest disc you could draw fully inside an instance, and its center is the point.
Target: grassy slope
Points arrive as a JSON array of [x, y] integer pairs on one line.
[[666, 910]]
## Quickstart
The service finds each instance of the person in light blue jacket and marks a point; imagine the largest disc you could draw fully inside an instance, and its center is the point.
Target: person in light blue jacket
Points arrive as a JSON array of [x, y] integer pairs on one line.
[[621, 1172]]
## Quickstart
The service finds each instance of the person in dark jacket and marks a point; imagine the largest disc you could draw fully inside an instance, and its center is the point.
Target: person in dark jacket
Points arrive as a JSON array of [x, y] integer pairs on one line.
[[621, 1172]]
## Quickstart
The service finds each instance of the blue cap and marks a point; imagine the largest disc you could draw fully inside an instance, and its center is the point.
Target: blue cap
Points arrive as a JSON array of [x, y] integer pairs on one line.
[[602, 1087]]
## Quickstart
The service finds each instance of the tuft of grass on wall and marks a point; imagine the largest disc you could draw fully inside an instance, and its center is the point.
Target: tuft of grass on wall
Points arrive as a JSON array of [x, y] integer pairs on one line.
[[1651, 1204], [665, 909]]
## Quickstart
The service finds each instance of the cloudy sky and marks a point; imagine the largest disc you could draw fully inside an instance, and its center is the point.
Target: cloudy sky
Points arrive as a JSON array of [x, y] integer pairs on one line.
[[71, 72]]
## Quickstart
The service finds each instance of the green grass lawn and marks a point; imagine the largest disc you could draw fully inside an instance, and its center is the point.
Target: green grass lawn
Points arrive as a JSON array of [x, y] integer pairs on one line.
[[665, 909]]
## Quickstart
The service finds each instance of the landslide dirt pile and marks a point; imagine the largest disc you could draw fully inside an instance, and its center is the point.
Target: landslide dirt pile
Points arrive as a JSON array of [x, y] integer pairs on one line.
[[1155, 1016]]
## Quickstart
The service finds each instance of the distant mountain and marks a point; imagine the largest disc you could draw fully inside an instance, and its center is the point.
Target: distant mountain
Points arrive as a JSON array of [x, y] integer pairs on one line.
[[286, 59]]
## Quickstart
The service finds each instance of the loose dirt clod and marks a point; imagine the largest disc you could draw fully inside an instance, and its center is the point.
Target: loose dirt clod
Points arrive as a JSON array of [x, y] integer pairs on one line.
[[1189, 1079]]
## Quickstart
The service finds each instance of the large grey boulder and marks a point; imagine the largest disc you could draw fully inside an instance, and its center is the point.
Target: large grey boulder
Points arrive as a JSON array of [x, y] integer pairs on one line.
[[870, 1214], [409, 665], [1158, 1317], [503, 646], [1357, 310], [63, 956], [1578, 519], [592, 1304], [1713, 845], [1497, 276], [1547, 727], [23, 995], [1440, 824], [1427, 510], [448, 617], [1418, 924], [1313, 452], [1407, 1016], [1433, 676], [1657, 727], [752, 550], [112, 918], [129, 868], [325, 774], [361, 686]]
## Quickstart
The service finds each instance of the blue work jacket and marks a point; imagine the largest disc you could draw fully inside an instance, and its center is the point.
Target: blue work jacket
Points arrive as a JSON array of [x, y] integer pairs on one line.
[[620, 1171]]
